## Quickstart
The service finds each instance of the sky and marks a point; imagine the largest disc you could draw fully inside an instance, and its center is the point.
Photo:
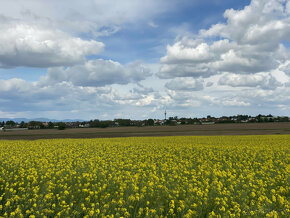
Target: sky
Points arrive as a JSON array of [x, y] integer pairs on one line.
[[105, 59]]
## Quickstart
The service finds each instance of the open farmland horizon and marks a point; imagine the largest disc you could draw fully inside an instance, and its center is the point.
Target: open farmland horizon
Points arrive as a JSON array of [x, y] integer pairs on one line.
[[182, 130], [184, 107]]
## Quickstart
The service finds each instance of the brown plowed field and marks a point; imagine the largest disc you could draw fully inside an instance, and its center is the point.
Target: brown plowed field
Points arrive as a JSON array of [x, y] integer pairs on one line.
[[182, 130]]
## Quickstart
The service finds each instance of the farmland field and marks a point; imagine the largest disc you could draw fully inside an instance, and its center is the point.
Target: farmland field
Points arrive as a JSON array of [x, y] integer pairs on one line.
[[180, 130], [180, 176]]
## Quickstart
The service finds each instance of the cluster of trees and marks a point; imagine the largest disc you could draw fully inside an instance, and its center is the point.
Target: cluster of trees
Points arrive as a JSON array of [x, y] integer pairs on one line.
[[101, 124], [246, 118], [119, 122], [182, 121], [188, 121], [33, 125]]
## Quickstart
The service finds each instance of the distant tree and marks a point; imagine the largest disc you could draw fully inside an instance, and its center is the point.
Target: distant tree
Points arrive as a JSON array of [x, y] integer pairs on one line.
[[150, 122], [260, 118], [283, 119], [192, 121], [61, 126], [95, 123], [242, 118], [10, 123], [188, 121], [171, 122], [83, 123], [105, 124], [23, 124], [35, 125], [101, 124], [183, 121], [50, 125]]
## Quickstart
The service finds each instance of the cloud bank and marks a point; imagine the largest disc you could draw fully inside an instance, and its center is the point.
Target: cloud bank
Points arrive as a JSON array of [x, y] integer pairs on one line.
[[239, 65], [251, 41]]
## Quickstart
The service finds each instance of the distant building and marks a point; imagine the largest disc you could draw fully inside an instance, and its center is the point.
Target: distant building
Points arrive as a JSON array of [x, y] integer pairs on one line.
[[159, 122]]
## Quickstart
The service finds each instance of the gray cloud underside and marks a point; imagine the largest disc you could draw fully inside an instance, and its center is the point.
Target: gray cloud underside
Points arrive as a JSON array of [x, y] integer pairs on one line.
[[185, 84], [98, 73], [261, 80]]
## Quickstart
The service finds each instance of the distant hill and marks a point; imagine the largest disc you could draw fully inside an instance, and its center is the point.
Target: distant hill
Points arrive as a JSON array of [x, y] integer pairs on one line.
[[18, 120]]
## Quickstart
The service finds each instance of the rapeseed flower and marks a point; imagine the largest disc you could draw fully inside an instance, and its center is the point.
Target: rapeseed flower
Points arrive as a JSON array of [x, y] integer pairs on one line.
[[222, 176]]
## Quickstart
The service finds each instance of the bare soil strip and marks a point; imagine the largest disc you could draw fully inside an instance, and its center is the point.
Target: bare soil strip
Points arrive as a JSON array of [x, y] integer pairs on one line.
[[182, 130]]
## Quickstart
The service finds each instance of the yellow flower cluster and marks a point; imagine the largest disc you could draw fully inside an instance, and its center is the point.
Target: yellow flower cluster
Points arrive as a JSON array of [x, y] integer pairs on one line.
[[217, 176]]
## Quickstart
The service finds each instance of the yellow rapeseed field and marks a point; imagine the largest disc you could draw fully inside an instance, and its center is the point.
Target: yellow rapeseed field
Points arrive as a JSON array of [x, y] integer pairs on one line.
[[216, 176]]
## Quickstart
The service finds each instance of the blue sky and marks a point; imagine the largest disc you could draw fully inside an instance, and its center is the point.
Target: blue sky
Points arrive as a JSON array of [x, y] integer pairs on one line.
[[144, 42], [132, 59]]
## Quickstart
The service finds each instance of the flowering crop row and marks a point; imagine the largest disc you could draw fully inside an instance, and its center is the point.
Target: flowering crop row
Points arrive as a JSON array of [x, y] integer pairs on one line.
[[151, 176]]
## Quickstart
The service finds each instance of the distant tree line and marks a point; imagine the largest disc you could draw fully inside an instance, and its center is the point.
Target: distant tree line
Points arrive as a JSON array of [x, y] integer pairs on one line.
[[147, 122], [33, 125]]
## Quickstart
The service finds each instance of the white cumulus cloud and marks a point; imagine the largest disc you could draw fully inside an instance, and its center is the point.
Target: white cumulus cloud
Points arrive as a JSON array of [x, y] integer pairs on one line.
[[250, 42], [33, 46]]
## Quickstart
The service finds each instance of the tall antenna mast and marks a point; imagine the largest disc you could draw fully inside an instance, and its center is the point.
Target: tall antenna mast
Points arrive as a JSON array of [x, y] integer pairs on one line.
[[165, 113]]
